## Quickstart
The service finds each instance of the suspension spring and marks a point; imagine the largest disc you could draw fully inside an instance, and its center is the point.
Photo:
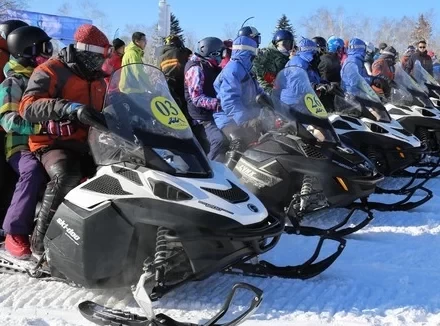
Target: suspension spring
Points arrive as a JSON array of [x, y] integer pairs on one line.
[[162, 251], [371, 154], [423, 135], [306, 189]]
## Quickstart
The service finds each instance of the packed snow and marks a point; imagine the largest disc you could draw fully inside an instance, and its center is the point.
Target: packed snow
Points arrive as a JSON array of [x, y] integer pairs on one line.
[[389, 274]]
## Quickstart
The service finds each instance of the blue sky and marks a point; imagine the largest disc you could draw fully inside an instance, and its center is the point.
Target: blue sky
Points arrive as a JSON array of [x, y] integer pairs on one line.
[[208, 18]]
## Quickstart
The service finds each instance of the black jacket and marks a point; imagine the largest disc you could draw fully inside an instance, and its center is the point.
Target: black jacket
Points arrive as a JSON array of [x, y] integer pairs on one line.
[[424, 59], [330, 67]]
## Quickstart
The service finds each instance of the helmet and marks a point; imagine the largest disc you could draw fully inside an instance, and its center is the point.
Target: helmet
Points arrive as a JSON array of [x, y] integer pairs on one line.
[[29, 42], [334, 44], [250, 32], [173, 40], [320, 42], [9, 25], [356, 43], [307, 45], [210, 46], [282, 35], [370, 47]]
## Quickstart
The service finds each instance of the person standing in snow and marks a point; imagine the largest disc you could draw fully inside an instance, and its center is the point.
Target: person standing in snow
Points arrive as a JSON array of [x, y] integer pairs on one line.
[[115, 61]]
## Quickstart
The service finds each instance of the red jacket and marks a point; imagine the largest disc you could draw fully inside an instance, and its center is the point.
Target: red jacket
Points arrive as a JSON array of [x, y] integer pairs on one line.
[[111, 64]]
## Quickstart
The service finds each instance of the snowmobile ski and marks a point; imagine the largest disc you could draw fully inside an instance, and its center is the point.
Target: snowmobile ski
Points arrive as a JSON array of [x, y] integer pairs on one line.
[[101, 315]]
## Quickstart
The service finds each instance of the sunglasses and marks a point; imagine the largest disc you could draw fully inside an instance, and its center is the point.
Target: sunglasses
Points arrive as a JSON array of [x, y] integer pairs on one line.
[[422, 47]]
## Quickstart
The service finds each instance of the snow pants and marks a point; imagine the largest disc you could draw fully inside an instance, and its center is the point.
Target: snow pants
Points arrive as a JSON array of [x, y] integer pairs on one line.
[[19, 218]]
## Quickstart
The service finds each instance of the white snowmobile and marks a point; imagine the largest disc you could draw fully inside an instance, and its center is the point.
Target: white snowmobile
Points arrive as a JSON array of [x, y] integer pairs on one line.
[[157, 210], [428, 82], [362, 122]]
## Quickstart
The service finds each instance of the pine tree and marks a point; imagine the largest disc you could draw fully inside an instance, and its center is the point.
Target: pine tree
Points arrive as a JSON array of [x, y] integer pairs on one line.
[[175, 28], [422, 30], [284, 23]]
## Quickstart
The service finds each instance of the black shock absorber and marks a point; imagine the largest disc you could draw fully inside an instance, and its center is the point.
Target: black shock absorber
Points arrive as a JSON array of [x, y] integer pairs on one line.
[[423, 135], [371, 154], [162, 251]]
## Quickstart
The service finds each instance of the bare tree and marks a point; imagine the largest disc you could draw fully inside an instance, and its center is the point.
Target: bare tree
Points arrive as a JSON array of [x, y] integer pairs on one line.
[[230, 30], [65, 9], [11, 4], [191, 41]]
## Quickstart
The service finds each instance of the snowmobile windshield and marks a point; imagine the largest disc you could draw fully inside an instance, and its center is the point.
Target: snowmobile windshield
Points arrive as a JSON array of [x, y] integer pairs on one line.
[[422, 76], [146, 126], [296, 101], [372, 106], [406, 91]]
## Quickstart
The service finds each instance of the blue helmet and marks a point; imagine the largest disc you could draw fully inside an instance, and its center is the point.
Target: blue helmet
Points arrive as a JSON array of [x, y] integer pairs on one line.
[[357, 46], [334, 44], [307, 49], [282, 35], [251, 32]]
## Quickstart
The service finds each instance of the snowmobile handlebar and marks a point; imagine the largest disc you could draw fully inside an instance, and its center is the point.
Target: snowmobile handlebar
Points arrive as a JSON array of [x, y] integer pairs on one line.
[[90, 117]]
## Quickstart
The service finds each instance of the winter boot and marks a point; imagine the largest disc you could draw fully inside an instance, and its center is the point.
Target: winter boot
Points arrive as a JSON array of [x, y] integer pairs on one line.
[[18, 245]]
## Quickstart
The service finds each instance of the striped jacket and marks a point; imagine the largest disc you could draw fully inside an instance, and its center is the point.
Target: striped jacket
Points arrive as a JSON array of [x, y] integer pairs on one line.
[[11, 91]]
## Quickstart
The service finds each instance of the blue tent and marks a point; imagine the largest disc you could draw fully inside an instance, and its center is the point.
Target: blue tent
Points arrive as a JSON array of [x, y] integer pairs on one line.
[[60, 28]]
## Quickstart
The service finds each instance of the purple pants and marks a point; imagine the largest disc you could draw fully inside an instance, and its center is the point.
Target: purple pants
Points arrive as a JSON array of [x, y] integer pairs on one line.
[[19, 218]]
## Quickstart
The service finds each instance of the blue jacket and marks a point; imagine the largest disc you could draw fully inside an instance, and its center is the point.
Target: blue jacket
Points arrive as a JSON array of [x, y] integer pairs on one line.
[[236, 86], [354, 64], [302, 60]]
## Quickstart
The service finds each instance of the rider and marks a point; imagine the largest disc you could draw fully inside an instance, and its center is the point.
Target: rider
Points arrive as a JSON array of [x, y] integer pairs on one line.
[[355, 65], [56, 90], [237, 88], [29, 46], [173, 59], [407, 54], [227, 52], [321, 43], [200, 73], [330, 63], [384, 66], [271, 60], [5, 177], [369, 58]]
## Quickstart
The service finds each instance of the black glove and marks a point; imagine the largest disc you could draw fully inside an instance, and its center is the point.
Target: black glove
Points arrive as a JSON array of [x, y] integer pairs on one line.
[[264, 100], [323, 88], [382, 83], [70, 109]]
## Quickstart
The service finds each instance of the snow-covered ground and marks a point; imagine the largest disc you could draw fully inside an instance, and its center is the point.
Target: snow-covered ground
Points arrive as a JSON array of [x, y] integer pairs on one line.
[[389, 274]]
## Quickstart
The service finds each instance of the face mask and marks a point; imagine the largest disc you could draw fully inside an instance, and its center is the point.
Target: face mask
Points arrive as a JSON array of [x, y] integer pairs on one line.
[[91, 61], [40, 60]]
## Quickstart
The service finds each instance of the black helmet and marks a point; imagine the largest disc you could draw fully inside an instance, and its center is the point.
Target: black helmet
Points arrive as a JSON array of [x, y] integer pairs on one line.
[[28, 42], [282, 35], [250, 32], [320, 42], [209, 46], [10, 25]]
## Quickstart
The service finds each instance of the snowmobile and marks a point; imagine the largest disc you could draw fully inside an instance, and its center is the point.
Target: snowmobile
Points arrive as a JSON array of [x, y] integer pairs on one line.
[[363, 123], [157, 210], [426, 80], [303, 166], [410, 105]]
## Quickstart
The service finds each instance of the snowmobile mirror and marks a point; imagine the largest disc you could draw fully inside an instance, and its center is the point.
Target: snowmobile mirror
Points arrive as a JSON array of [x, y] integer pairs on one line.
[[264, 101], [257, 298], [91, 117]]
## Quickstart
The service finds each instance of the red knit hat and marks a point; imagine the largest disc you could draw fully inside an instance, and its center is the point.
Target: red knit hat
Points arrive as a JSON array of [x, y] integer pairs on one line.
[[91, 35]]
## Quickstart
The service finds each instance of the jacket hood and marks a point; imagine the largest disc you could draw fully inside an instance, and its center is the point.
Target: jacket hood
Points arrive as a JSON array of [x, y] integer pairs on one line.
[[133, 47], [244, 49], [298, 61], [13, 67], [357, 52]]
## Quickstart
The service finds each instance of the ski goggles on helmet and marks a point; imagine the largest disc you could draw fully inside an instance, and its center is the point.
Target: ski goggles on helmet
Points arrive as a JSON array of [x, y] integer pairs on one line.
[[44, 49], [106, 51]]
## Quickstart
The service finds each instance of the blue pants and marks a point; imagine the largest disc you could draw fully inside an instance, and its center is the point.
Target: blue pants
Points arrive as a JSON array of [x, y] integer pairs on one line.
[[19, 218], [218, 142]]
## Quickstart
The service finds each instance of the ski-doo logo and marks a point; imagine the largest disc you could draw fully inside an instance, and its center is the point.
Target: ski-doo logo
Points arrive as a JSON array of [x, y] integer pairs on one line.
[[69, 231], [253, 208]]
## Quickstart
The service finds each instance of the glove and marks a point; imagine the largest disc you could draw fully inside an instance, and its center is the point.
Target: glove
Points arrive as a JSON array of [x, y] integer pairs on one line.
[[61, 128], [70, 109], [264, 100], [324, 88]]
